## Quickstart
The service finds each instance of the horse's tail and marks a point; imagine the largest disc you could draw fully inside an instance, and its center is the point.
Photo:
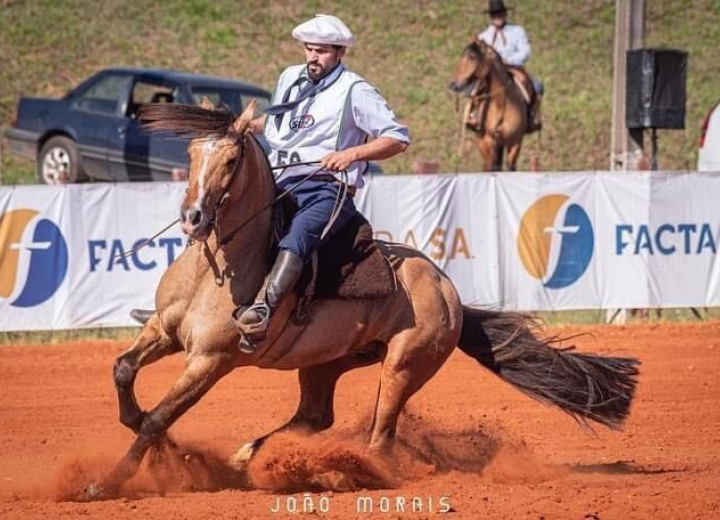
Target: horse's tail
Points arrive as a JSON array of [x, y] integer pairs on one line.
[[585, 386]]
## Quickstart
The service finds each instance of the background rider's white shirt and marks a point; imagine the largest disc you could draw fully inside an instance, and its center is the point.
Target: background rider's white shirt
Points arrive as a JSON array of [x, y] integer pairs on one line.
[[511, 42], [344, 115]]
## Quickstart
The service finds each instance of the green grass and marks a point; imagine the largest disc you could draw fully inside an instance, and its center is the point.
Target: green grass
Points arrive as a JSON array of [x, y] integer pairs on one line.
[[549, 319], [407, 49], [593, 317], [62, 336]]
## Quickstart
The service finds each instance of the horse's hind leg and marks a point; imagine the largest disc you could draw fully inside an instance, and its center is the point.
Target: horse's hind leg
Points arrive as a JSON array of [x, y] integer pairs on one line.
[[317, 391], [151, 345], [498, 163], [410, 363]]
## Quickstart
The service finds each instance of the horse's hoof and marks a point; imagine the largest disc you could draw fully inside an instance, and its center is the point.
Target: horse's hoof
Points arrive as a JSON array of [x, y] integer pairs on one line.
[[94, 491], [241, 458], [141, 315]]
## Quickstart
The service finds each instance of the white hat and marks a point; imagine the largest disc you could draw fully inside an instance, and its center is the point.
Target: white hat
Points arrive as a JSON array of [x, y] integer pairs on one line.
[[324, 29]]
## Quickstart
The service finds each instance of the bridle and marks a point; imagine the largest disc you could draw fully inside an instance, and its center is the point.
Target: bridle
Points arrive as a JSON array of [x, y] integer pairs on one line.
[[478, 86], [237, 166]]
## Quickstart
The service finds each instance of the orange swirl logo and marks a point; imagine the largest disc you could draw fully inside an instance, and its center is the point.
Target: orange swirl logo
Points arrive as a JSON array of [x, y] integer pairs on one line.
[[555, 241]]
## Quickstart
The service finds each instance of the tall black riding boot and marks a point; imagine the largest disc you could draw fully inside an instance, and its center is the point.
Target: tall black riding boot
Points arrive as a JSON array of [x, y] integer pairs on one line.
[[534, 120], [253, 323]]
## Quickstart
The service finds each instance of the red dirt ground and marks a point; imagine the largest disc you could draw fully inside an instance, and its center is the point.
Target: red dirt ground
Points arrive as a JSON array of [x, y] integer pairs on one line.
[[466, 436]]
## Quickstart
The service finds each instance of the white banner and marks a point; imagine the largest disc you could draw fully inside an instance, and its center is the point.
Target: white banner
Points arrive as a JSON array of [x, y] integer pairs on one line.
[[450, 218], [522, 241], [57, 246]]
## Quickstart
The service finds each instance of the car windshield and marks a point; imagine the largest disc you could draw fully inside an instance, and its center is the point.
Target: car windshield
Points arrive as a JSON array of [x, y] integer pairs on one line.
[[235, 99]]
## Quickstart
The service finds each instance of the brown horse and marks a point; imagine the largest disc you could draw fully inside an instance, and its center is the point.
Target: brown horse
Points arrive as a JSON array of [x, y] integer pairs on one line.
[[411, 332], [497, 102]]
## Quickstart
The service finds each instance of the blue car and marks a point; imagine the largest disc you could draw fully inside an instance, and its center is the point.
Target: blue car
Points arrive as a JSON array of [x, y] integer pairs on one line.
[[91, 133]]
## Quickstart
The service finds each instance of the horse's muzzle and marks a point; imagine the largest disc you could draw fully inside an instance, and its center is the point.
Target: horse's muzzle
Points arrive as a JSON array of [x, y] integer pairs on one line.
[[195, 224], [455, 87]]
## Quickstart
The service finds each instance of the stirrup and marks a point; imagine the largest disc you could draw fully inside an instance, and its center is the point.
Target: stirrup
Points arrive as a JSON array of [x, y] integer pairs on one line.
[[254, 329], [246, 345], [250, 334]]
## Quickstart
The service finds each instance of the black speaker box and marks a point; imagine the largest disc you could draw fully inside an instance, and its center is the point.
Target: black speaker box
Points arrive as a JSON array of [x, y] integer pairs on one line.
[[655, 88]]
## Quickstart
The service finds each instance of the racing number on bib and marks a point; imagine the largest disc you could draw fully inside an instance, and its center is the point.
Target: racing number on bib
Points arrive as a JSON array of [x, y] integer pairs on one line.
[[285, 158]]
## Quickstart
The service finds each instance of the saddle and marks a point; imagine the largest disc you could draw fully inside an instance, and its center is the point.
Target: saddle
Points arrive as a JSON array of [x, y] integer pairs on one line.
[[350, 265]]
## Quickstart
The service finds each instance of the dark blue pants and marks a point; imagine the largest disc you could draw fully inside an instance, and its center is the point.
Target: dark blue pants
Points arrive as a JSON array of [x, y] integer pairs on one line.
[[316, 200]]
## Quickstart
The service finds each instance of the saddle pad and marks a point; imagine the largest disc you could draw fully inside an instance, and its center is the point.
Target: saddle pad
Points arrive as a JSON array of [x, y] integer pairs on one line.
[[350, 265]]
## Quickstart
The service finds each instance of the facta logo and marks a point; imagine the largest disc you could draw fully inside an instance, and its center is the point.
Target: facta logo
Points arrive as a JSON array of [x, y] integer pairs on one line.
[[301, 122], [33, 258], [555, 241]]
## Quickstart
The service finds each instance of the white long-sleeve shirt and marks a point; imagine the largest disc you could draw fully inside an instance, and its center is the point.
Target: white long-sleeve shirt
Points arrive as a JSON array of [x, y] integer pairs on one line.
[[342, 116], [511, 42]]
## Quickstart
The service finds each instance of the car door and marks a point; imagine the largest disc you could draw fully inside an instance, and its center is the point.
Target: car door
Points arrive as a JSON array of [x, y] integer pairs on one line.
[[96, 116], [145, 156]]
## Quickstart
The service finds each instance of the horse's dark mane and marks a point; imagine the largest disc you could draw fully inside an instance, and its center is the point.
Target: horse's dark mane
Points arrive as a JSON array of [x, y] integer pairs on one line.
[[186, 120], [473, 48]]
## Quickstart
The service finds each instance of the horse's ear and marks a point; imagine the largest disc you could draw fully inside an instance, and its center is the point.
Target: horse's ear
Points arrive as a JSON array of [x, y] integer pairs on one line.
[[242, 123], [206, 103]]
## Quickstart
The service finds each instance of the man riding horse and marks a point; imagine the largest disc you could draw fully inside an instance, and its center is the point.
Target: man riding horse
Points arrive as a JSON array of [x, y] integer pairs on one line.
[[324, 113], [512, 44], [321, 111]]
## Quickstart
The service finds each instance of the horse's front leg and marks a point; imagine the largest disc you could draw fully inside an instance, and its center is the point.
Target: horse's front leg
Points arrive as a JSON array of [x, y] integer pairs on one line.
[[486, 147], [151, 345], [512, 156], [201, 373]]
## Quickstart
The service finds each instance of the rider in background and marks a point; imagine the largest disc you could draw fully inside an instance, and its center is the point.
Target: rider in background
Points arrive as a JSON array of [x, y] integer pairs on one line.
[[320, 112], [512, 44]]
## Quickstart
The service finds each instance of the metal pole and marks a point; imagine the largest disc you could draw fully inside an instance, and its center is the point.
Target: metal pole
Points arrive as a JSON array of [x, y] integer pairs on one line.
[[653, 149], [626, 146]]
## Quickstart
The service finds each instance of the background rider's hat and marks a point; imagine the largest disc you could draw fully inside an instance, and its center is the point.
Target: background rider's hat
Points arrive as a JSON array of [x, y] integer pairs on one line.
[[496, 7], [324, 29]]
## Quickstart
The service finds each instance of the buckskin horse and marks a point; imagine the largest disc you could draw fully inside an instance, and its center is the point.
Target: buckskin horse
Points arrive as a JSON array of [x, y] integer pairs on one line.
[[411, 331], [497, 102]]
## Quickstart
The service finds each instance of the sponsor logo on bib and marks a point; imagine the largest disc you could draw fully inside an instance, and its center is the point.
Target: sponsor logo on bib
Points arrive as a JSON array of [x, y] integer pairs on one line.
[[301, 122]]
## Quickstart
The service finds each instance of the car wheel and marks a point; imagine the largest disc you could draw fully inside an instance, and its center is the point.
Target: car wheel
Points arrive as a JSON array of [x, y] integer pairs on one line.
[[59, 162]]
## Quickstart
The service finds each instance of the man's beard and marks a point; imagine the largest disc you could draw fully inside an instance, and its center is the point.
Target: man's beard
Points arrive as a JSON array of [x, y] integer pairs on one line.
[[320, 72], [317, 72]]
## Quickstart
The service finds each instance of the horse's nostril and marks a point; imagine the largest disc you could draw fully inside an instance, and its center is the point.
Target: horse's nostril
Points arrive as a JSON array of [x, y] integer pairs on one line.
[[194, 216]]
